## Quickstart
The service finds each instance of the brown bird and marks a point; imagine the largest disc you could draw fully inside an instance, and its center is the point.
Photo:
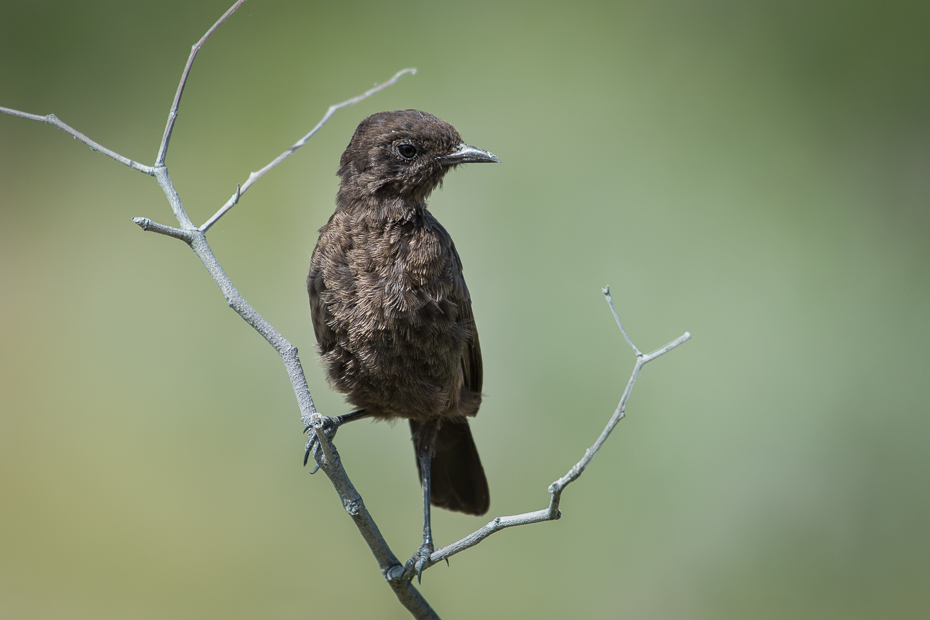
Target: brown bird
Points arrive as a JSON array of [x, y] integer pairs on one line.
[[391, 312]]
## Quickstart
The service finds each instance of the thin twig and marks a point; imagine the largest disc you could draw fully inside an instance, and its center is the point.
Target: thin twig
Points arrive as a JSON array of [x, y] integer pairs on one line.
[[406, 593], [610, 302], [147, 224], [173, 113], [241, 189], [555, 489], [54, 121]]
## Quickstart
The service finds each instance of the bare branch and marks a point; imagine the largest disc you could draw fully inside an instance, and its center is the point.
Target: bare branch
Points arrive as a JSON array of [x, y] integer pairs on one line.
[[390, 566], [173, 113], [555, 489], [147, 224], [641, 360], [53, 120], [328, 458], [610, 302], [241, 189]]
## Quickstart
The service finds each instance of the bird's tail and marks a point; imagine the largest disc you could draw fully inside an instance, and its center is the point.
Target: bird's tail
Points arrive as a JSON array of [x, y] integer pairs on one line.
[[457, 479]]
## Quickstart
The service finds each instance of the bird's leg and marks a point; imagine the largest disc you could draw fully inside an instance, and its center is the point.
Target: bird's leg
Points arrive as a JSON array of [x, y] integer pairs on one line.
[[420, 559], [330, 425]]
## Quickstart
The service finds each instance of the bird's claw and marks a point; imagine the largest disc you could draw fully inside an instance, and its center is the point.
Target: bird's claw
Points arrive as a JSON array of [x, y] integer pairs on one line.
[[330, 425], [421, 559]]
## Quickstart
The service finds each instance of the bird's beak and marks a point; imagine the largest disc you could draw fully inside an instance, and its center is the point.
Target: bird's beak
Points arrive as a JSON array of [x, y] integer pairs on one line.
[[466, 154]]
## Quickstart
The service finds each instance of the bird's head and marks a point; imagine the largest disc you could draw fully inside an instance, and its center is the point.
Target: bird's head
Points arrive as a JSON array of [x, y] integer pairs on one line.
[[403, 154]]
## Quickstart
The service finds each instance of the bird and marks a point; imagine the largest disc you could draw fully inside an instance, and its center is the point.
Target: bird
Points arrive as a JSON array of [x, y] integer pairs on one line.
[[390, 309]]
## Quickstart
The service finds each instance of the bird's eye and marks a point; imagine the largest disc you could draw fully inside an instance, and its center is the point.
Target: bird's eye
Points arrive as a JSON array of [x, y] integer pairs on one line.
[[407, 151]]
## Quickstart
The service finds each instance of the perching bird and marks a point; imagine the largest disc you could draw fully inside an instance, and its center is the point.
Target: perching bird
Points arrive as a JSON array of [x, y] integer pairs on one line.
[[391, 312]]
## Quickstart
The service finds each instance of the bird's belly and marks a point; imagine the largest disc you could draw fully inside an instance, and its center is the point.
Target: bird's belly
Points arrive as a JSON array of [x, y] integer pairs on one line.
[[409, 365], [399, 338]]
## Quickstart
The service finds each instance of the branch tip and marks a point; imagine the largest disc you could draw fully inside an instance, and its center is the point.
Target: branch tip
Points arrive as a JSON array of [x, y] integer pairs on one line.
[[173, 112], [610, 302], [169, 231], [54, 121]]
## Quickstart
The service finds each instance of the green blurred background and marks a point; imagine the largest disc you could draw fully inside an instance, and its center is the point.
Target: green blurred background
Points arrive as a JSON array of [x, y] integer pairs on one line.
[[754, 173]]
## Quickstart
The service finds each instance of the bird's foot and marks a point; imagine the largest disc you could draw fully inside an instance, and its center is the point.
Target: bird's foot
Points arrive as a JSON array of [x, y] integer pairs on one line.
[[420, 559], [329, 426]]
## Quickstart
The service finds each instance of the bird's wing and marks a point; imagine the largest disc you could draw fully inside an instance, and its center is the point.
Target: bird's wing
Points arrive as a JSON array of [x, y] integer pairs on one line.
[[319, 313], [471, 358]]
